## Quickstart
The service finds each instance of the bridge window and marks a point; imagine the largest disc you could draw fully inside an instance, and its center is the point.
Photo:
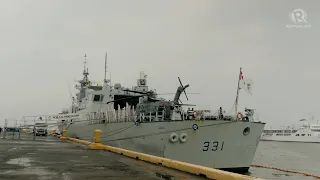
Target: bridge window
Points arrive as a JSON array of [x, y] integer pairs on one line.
[[302, 134], [96, 98], [297, 134]]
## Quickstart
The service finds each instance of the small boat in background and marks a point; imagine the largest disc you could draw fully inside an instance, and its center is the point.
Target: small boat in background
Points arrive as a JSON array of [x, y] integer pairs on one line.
[[307, 132]]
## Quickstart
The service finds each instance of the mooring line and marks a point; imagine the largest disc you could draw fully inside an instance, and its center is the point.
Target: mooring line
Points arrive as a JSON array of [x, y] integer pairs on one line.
[[284, 170]]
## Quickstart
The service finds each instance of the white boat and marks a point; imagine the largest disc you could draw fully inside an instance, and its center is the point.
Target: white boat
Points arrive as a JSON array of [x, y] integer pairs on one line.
[[307, 132]]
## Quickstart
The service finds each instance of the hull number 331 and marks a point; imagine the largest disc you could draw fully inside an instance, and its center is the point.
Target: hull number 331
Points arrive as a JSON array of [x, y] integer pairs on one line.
[[213, 146]]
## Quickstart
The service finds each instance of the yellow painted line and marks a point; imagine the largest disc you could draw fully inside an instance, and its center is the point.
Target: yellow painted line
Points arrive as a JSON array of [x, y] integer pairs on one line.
[[182, 166]]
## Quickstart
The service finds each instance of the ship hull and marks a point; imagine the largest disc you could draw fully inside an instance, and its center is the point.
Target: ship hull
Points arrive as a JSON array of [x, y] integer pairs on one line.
[[292, 138], [225, 145]]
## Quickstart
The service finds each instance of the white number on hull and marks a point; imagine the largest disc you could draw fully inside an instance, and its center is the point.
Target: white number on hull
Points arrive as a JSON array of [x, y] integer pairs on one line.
[[214, 146]]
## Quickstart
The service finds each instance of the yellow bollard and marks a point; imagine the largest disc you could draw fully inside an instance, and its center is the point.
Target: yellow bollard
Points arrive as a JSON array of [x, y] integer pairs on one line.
[[97, 135], [97, 139], [54, 132], [64, 135]]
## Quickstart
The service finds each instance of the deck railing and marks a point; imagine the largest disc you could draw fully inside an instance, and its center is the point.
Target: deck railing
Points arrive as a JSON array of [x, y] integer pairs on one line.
[[128, 114]]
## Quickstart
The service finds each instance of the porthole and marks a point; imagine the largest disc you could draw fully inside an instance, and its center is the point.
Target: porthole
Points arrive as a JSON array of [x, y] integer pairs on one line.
[[246, 131]]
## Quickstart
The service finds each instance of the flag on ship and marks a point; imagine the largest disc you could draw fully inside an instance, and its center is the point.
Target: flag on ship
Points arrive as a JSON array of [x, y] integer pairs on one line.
[[245, 84]]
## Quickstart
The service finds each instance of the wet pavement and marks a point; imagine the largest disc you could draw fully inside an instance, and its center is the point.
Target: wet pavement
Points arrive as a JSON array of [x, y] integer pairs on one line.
[[47, 158]]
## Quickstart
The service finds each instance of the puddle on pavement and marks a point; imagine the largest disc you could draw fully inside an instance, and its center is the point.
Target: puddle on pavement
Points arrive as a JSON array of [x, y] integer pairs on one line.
[[281, 174], [41, 172], [14, 148], [20, 161], [99, 167], [66, 176], [165, 176], [75, 161]]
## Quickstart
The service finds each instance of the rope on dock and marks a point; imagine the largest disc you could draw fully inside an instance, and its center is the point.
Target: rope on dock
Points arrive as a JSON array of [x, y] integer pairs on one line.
[[284, 170]]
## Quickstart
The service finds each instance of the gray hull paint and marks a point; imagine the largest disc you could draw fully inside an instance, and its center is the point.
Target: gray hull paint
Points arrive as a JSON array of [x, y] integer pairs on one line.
[[232, 149]]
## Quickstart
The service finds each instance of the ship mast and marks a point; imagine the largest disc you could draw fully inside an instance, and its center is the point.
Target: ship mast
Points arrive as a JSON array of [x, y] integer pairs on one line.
[[237, 97], [106, 70], [85, 81], [85, 72]]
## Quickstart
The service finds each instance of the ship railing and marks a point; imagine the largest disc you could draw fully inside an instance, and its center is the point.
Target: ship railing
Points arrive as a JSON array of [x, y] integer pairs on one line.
[[149, 117], [128, 114], [122, 115]]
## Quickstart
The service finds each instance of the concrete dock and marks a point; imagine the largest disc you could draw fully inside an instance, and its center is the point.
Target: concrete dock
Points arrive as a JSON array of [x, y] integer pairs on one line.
[[47, 158]]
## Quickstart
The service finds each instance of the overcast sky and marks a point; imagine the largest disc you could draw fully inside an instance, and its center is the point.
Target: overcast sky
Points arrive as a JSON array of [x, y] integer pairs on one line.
[[204, 42]]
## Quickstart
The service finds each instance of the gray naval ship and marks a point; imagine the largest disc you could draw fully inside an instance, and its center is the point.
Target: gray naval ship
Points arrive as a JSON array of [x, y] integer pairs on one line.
[[137, 119]]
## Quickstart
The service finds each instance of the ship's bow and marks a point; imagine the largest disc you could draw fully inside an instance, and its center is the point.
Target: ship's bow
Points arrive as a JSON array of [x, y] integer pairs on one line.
[[223, 145]]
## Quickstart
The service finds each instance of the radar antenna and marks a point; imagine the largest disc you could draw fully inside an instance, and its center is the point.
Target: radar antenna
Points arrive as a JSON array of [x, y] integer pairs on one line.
[[85, 62]]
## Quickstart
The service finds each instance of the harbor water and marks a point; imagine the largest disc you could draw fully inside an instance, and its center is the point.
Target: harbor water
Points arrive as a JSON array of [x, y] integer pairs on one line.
[[301, 157]]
